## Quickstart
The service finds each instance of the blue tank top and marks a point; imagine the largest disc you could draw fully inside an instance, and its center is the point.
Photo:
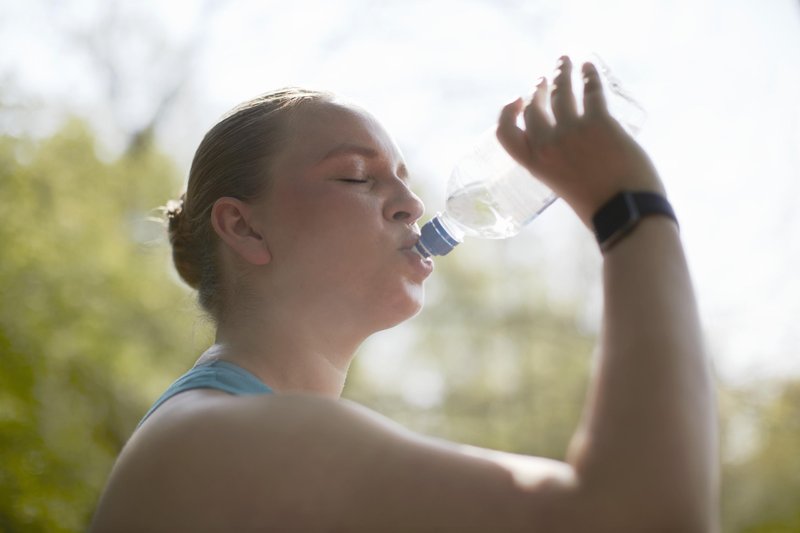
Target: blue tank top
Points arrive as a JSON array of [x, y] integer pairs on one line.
[[219, 375]]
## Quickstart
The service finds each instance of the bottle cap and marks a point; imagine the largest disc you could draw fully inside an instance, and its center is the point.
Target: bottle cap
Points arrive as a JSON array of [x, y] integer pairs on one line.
[[435, 239]]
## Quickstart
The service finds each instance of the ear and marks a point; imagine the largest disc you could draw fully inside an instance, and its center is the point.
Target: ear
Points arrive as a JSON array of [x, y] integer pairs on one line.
[[232, 220]]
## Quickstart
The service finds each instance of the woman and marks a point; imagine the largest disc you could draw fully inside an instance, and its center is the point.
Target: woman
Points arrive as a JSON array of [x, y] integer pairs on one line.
[[297, 229]]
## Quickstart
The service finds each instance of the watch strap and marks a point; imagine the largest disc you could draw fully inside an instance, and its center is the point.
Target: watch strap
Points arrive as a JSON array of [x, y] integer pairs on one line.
[[617, 217]]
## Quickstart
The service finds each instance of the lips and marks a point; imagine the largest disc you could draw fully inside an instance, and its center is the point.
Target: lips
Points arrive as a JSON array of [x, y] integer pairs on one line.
[[409, 242]]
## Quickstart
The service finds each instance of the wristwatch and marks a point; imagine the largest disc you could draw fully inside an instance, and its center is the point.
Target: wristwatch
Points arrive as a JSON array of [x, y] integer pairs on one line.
[[617, 217]]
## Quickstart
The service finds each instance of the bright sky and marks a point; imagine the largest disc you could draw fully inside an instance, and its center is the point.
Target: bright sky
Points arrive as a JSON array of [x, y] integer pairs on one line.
[[719, 79]]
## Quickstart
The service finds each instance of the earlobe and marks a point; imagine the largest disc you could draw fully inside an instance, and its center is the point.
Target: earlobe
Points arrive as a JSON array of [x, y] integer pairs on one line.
[[232, 220]]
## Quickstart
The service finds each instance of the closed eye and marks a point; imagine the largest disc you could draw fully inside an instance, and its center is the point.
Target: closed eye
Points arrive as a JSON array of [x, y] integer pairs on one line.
[[353, 180]]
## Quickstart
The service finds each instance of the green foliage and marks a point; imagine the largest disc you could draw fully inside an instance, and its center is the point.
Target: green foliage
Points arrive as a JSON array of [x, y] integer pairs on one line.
[[761, 487], [91, 327]]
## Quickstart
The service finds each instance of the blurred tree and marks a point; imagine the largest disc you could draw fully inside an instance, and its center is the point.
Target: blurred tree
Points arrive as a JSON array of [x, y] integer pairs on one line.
[[141, 67], [761, 474], [91, 327]]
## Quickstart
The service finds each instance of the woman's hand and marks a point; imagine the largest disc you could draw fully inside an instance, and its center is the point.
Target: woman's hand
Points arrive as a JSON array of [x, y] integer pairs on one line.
[[585, 159]]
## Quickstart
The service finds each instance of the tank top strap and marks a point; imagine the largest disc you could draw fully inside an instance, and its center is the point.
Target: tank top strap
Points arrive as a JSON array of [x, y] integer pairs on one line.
[[218, 375]]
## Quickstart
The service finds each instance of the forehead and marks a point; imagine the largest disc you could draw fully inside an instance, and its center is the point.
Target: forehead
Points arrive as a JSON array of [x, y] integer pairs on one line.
[[316, 129]]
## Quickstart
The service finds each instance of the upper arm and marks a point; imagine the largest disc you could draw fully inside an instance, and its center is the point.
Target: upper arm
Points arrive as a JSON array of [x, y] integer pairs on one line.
[[333, 464], [411, 482]]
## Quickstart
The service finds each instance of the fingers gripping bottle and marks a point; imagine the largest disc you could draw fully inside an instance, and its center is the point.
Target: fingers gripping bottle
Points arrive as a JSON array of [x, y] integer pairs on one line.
[[491, 196]]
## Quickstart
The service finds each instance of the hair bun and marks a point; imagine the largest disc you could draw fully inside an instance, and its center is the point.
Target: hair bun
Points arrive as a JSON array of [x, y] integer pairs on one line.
[[180, 237]]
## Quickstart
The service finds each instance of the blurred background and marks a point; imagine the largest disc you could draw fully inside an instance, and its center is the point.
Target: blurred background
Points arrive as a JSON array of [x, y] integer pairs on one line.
[[102, 103]]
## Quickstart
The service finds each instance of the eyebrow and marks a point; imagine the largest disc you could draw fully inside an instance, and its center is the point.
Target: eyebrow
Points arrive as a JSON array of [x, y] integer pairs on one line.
[[349, 149], [364, 151]]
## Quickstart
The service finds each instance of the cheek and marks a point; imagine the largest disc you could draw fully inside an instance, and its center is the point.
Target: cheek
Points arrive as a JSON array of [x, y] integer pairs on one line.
[[324, 228]]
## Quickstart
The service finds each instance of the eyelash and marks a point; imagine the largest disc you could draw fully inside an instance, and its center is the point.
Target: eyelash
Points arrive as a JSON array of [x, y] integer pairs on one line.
[[354, 180]]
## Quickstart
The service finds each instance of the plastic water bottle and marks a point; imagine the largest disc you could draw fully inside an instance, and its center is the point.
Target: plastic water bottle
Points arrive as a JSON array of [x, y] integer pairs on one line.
[[491, 196]]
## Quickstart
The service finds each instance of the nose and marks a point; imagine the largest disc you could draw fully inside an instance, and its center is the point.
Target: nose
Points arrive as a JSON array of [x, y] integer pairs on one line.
[[404, 206]]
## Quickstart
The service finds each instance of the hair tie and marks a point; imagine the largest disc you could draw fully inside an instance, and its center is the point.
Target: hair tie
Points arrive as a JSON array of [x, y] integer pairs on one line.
[[174, 208]]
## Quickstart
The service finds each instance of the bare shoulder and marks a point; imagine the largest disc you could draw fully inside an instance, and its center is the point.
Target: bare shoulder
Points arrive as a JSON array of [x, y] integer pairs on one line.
[[310, 463]]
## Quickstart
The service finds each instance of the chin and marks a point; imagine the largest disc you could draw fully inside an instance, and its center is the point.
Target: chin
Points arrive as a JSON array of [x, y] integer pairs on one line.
[[400, 309]]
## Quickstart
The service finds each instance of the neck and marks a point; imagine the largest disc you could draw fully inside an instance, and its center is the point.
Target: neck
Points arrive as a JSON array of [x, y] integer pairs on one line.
[[288, 354]]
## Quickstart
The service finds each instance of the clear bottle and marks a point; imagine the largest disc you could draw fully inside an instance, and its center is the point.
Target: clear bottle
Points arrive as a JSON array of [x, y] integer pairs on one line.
[[491, 196]]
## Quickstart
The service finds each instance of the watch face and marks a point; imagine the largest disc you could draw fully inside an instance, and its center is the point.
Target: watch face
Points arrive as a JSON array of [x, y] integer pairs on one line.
[[621, 214], [615, 218]]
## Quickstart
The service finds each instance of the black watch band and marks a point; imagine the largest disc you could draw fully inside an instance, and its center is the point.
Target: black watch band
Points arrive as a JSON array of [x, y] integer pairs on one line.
[[622, 213]]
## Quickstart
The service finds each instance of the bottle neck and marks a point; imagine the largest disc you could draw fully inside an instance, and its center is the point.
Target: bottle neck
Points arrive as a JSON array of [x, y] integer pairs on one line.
[[439, 236]]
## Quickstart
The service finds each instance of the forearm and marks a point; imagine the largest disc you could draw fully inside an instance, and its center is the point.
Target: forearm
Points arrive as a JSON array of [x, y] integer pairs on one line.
[[649, 430]]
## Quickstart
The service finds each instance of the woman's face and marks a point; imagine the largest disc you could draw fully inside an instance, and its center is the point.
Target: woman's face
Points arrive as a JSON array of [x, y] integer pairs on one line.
[[340, 221]]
